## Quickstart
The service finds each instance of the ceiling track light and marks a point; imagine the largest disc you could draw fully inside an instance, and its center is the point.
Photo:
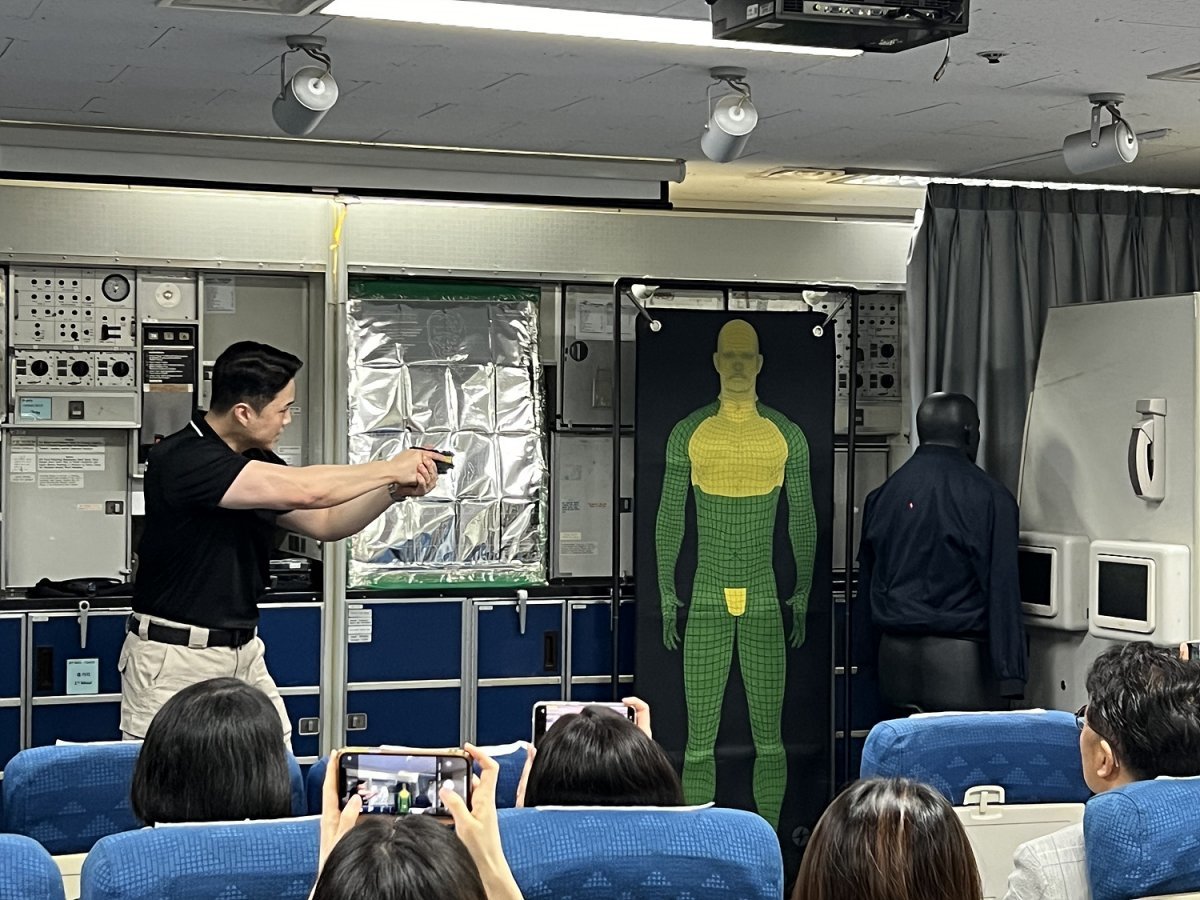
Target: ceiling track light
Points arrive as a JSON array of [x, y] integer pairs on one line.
[[310, 93], [1101, 147], [733, 117]]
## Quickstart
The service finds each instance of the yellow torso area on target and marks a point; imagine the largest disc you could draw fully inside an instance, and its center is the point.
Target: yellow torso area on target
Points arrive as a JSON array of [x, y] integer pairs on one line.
[[737, 453]]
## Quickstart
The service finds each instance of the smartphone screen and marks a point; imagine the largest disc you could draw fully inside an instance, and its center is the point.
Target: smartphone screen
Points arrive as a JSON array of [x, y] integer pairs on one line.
[[400, 784], [545, 714]]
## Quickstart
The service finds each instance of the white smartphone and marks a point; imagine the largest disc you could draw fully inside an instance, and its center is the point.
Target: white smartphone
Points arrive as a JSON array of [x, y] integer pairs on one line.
[[547, 712]]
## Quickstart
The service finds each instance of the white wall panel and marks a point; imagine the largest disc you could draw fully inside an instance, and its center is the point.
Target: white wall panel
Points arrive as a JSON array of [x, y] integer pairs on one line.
[[457, 238], [131, 225]]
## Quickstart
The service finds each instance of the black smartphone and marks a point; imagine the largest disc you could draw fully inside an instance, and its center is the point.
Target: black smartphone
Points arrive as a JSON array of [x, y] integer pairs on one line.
[[547, 712], [1193, 651], [403, 782]]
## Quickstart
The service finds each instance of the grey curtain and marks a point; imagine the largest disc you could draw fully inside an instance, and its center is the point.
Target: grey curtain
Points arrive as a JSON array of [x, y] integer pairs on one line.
[[988, 263]]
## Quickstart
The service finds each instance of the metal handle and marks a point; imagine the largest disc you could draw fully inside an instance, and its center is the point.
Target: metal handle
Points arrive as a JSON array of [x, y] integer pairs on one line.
[[84, 609], [522, 608]]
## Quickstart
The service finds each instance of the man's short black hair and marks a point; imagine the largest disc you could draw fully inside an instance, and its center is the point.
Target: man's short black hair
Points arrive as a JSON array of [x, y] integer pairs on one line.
[[250, 372], [1145, 701]]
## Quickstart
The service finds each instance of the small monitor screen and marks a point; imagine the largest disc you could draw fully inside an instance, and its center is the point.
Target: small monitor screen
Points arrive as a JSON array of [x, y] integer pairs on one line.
[[1123, 590], [1035, 572]]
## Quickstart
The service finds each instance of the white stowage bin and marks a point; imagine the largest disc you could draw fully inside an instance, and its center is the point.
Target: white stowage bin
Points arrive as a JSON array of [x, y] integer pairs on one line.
[[1053, 572], [1138, 589], [1110, 459]]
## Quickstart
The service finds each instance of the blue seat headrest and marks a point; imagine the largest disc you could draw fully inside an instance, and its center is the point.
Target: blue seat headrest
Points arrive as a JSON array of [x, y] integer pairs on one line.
[[1144, 839], [275, 860], [1034, 755], [68, 797], [29, 872], [611, 854], [511, 759]]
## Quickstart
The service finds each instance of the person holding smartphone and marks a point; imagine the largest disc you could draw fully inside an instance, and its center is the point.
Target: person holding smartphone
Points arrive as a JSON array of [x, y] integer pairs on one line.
[[597, 757], [414, 856], [215, 492]]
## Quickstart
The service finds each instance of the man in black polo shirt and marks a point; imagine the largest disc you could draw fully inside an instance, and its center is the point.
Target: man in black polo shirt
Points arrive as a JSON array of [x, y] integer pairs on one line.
[[938, 565], [215, 492]]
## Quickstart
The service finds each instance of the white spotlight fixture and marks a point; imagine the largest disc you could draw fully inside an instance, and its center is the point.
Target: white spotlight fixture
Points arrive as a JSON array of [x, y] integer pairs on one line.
[[311, 91], [1101, 148], [732, 119]]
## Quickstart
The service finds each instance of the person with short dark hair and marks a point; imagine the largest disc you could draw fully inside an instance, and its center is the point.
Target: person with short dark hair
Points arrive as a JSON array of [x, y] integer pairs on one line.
[[215, 492], [214, 753], [599, 758], [1141, 721], [414, 857], [888, 839], [400, 858]]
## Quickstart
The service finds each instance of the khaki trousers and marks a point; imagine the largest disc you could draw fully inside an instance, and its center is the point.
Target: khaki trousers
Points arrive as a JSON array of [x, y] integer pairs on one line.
[[152, 673]]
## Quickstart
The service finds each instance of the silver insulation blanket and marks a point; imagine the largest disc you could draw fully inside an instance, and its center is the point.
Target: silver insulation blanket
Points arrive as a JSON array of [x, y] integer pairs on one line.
[[453, 367]]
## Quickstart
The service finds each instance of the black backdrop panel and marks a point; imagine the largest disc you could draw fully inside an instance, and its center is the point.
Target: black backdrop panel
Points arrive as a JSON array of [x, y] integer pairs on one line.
[[676, 377]]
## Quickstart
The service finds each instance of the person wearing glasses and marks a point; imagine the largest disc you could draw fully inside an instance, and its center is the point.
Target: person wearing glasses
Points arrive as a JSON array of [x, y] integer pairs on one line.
[[1141, 721]]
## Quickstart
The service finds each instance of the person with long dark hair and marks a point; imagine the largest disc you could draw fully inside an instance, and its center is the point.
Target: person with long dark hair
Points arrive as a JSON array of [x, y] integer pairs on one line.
[[213, 753], [889, 839], [599, 758]]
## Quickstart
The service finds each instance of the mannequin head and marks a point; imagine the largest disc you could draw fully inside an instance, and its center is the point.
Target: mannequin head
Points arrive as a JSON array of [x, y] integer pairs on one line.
[[949, 420], [737, 360]]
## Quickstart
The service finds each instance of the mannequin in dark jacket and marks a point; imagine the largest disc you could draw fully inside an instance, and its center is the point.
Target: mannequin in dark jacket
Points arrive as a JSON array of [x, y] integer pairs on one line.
[[938, 565]]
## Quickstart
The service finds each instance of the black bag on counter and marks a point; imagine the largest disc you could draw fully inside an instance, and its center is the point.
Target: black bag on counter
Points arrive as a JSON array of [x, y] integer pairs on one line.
[[81, 588]]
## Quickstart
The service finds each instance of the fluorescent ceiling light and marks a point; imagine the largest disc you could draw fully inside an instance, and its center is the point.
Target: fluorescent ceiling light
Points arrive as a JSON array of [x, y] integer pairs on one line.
[[563, 22]]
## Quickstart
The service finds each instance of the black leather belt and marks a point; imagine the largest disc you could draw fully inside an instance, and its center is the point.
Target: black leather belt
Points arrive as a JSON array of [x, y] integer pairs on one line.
[[167, 634]]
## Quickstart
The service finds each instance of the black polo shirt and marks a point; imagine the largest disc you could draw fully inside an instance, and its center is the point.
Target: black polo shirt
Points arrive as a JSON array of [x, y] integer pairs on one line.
[[198, 563]]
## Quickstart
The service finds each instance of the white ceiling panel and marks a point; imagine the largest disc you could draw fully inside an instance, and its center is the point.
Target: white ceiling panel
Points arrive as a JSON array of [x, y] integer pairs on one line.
[[131, 63]]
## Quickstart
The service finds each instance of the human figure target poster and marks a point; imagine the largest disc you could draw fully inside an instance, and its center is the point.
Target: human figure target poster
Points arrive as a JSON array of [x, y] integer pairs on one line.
[[734, 502]]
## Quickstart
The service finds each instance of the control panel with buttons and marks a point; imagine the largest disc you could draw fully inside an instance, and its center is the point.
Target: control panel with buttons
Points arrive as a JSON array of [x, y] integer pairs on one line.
[[70, 306], [84, 369]]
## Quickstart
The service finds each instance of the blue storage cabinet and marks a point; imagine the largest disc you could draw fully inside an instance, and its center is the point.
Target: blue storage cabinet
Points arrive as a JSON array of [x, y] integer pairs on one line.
[[291, 632], [589, 635], [515, 668], [12, 641], [53, 638], [404, 680]]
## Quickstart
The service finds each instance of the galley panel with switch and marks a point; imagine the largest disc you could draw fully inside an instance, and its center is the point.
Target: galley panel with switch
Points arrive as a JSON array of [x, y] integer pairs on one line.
[[73, 403]]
